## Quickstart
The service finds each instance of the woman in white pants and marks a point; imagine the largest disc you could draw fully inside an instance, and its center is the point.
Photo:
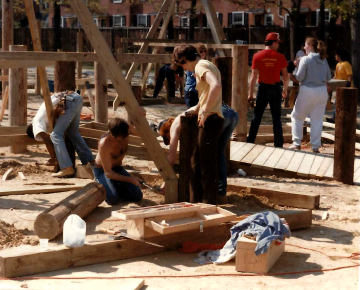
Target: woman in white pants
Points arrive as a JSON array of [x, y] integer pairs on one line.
[[313, 74]]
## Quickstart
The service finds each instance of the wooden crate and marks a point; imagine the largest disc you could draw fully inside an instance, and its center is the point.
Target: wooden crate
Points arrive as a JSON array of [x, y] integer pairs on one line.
[[247, 261]]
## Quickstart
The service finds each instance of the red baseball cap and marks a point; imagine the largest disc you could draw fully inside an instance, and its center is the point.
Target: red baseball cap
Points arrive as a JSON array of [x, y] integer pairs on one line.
[[272, 36]]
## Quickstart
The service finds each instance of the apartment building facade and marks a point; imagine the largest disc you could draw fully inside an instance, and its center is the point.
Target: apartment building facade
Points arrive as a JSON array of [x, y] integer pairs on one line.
[[142, 13]]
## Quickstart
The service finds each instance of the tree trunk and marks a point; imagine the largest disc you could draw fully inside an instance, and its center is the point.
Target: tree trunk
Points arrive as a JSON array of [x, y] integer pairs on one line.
[[321, 35], [192, 20], [57, 22], [294, 28], [355, 53]]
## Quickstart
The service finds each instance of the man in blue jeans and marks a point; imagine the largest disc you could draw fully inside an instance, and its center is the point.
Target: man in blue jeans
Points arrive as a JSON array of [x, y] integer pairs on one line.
[[69, 121], [170, 131], [108, 170]]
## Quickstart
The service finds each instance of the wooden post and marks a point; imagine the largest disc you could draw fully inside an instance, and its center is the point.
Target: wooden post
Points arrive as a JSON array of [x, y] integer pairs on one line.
[[79, 48], [7, 33], [345, 130], [188, 140], [37, 78], [49, 223], [101, 102], [64, 76], [137, 92], [240, 88], [18, 98]]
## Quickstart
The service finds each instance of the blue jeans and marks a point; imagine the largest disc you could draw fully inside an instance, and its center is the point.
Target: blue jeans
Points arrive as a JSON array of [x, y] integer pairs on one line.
[[231, 120], [191, 98], [268, 94], [69, 123], [116, 190]]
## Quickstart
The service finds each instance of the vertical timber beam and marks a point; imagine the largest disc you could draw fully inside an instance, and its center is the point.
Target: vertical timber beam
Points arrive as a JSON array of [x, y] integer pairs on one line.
[[216, 29], [101, 102], [7, 32], [131, 105], [79, 48], [18, 98], [240, 88], [37, 78], [42, 72]]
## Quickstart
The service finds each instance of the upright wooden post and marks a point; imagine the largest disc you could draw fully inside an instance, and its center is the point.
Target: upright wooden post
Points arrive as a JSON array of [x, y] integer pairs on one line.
[[18, 98], [37, 77], [7, 33], [42, 72], [64, 76], [79, 48], [101, 102], [188, 140], [345, 134], [240, 88]]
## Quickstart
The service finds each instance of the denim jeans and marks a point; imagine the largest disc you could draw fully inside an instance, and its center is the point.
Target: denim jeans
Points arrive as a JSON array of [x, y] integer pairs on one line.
[[268, 94], [191, 98], [231, 120], [69, 123], [204, 173], [169, 74], [116, 190]]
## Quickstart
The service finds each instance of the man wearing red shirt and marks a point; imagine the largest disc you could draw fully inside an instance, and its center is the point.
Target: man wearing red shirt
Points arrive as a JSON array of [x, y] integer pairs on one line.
[[267, 64]]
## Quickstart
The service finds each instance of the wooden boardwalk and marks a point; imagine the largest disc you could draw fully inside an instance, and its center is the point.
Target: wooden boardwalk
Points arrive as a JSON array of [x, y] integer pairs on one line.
[[301, 163]]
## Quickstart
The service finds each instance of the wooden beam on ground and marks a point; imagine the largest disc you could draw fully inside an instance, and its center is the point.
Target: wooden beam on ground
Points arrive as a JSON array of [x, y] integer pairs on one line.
[[41, 70], [131, 105], [19, 139], [27, 260], [45, 56], [162, 34], [42, 189], [151, 33]]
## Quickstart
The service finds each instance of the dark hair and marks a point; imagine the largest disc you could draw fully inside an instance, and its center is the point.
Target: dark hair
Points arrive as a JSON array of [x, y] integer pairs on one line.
[[118, 127], [269, 42], [187, 51], [200, 46], [343, 54], [29, 131], [318, 45]]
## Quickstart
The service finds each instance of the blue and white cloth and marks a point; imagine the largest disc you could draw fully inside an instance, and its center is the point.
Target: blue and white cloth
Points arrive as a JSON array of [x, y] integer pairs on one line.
[[266, 227]]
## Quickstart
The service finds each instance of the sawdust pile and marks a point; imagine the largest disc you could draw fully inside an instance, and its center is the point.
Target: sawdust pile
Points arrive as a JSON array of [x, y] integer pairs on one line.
[[9, 236], [17, 166]]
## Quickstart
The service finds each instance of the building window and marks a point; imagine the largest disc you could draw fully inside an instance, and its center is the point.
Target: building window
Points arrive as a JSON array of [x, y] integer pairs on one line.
[[269, 19], [238, 18], [327, 16], [184, 21], [142, 20], [119, 21], [117, 1]]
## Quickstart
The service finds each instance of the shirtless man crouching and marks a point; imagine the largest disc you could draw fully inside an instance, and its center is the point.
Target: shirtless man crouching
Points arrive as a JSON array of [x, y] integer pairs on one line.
[[108, 170]]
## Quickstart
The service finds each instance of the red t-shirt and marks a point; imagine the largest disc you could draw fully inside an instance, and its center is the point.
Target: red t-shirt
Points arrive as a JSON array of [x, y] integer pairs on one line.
[[269, 63]]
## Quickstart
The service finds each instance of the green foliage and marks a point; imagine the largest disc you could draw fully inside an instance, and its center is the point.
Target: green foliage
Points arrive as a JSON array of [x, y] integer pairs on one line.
[[344, 9]]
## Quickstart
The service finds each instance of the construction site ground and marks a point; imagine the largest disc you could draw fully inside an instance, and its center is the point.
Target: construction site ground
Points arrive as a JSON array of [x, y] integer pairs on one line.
[[313, 258]]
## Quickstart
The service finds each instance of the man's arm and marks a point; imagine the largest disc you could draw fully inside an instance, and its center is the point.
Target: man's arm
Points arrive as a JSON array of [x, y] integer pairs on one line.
[[49, 146], [106, 161], [174, 139], [253, 79], [285, 81]]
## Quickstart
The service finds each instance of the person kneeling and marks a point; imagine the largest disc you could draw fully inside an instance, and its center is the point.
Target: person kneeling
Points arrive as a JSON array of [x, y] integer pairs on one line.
[[108, 170]]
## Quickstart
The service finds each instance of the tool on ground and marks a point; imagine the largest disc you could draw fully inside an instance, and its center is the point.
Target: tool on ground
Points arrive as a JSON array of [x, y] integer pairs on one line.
[[122, 235], [106, 231], [148, 186]]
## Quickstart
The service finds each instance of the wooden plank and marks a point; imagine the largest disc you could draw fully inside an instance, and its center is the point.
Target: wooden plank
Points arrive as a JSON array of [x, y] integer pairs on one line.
[[220, 46], [11, 130], [35, 56], [22, 176], [295, 162], [41, 70], [42, 189], [316, 165], [234, 149], [122, 88], [330, 171], [285, 160], [274, 159], [268, 129], [7, 64], [4, 103], [269, 138], [4, 78], [253, 154], [5, 176], [324, 166], [261, 159], [19, 139], [241, 153], [306, 165]]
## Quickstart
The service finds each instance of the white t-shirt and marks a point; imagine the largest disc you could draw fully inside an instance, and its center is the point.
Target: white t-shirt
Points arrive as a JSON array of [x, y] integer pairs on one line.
[[41, 121]]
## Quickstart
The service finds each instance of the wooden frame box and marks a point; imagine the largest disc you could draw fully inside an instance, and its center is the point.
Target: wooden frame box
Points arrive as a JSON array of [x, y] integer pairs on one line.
[[247, 261]]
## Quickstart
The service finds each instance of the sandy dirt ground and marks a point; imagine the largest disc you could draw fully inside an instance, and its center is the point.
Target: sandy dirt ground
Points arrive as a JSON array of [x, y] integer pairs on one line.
[[313, 259]]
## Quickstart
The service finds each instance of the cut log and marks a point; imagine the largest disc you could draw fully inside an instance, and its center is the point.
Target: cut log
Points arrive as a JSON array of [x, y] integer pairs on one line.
[[50, 223]]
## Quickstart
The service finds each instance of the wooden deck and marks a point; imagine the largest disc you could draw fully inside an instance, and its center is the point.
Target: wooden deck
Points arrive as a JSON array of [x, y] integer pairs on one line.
[[300, 163]]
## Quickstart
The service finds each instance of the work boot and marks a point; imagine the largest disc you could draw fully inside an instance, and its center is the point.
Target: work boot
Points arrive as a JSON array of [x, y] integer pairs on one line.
[[65, 172]]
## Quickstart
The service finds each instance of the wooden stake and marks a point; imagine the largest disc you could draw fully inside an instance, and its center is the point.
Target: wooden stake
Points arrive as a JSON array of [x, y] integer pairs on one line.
[[101, 102], [344, 150], [131, 105], [42, 72]]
